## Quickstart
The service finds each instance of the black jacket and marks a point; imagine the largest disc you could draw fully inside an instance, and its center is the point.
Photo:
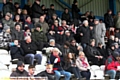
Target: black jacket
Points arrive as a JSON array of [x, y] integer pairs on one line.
[[66, 16], [29, 47], [17, 53], [36, 10], [86, 34], [73, 49], [75, 11], [45, 74], [50, 13], [108, 20], [18, 73]]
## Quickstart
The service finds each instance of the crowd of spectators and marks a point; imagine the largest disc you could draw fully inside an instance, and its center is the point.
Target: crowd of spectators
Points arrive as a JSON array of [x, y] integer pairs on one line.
[[71, 43]]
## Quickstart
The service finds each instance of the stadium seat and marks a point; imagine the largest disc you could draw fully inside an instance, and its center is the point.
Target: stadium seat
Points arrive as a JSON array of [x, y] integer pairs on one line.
[[5, 73], [12, 67], [102, 67], [39, 68], [5, 59], [3, 67], [99, 74], [3, 52], [95, 67]]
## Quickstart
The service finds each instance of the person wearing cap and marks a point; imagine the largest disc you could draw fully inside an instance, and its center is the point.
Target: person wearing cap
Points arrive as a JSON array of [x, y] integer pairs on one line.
[[49, 73], [17, 33], [20, 71], [36, 10], [111, 66], [29, 47], [99, 32], [68, 35], [84, 33], [7, 20], [38, 35], [51, 11]]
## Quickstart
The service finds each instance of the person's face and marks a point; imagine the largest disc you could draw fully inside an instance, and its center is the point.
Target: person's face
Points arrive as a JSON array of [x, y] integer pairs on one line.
[[68, 33], [54, 17], [73, 42], [63, 23], [32, 71], [70, 55], [16, 42], [55, 52], [93, 43], [38, 2], [96, 22], [112, 47], [38, 28], [29, 40], [86, 24], [52, 7], [42, 19], [21, 68], [19, 11], [1, 25], [56, 23], [17, 27], [17, 17], [7, 17], [116, 46], [110, 12], [49, 69], [82, 55], [29, 19], [66, 11]]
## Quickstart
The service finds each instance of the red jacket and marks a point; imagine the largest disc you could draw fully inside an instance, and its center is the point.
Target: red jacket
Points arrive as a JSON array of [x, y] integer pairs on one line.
[[113, 65]]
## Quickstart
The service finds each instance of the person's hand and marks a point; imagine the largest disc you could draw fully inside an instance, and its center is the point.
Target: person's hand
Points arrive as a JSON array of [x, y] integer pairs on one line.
[[81, 34], [18, 45], [78, 48]]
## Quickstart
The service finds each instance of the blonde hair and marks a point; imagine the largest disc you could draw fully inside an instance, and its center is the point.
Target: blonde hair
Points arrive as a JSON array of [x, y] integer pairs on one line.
[[49, 66], [81, 52]]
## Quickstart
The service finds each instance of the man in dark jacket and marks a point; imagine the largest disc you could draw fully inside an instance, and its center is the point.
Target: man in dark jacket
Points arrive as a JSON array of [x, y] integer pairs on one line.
[[108, 19], [84, 33], [20, 71], [30, 48], [36, 10], [39, 36]]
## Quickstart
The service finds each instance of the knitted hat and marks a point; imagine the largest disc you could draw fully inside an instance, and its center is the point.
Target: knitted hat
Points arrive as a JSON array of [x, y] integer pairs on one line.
[[20, 63]]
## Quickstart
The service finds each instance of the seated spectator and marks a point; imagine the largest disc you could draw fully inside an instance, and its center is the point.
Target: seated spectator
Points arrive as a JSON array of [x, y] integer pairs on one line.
[[5, 37], [44, 25], [56, 61], [68, 36], [110, 66], [24, 14], [17, 19], [117, 33], [75, 48], [66, 16], [17, 34], [49, 73], [93, 55], [73, 28], [28, 22], [83, 65], [31, 70], [27, 32], [117, 40], [110, 41], [30, 48], [39, 36], [7, 20], [20, 71], [70, 65], [16, 51], [64, 26], [110, 32]]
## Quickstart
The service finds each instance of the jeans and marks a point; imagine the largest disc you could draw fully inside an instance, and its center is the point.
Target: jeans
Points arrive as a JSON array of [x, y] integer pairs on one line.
[[65, 73], [112, 73], [29, 58], [75, 71], [86, 74]]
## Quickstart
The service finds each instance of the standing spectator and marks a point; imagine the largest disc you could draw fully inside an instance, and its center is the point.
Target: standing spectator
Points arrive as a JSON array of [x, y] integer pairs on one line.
[[20, 71], [117, 21], [51, 11], [44, 25], [30, 48], [70, 65], [17, 34], [83, 65], [66, 16], [99, 32], [8, 7], [16, 51], [7, 20], [56, 61], [108, 19], [84, 32], [36, 10], [75, 10]]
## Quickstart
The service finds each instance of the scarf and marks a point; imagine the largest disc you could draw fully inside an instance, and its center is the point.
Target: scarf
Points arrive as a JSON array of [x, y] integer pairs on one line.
[[84, 63]]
